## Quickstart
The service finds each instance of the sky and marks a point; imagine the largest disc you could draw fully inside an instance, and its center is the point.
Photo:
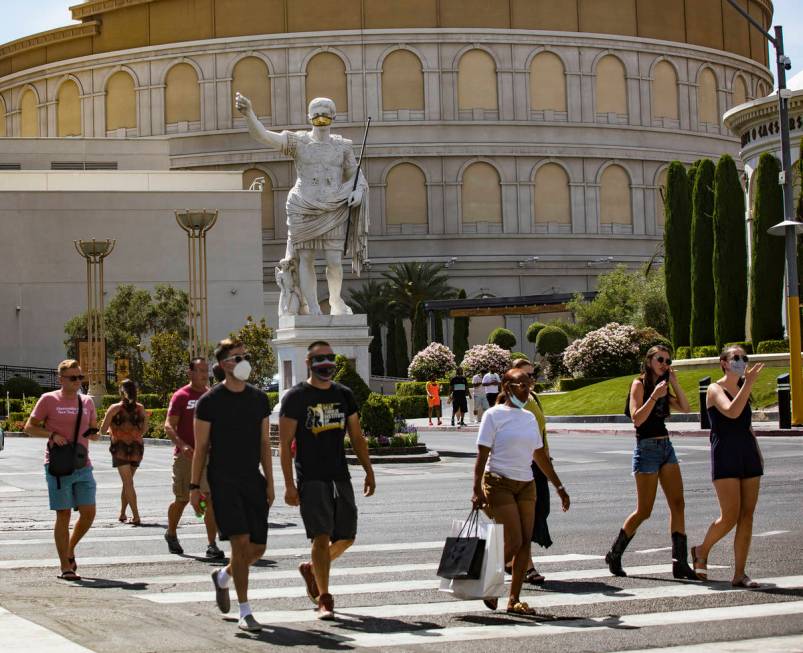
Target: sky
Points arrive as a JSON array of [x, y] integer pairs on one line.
[[41, 15]]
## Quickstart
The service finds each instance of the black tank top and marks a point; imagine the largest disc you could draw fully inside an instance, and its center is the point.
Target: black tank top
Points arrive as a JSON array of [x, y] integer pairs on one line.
[[730, 428], [655, 424]]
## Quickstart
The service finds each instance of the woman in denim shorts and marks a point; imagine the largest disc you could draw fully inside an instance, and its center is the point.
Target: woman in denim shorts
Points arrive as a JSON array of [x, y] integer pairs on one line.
[[654, 459]]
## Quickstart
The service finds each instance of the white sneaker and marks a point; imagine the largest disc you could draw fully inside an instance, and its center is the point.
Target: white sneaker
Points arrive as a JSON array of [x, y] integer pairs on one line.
[[249, 624]]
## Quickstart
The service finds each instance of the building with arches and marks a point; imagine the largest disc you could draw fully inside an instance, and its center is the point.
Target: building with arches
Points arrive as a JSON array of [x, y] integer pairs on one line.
[[502, 130]]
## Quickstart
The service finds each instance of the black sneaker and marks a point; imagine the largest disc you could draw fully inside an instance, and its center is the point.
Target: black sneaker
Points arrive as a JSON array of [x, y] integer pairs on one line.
[[214, 553], [173, 544]]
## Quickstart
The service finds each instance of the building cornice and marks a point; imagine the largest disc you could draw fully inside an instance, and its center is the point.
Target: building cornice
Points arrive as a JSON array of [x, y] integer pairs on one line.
[[60, 35], [95, 7]]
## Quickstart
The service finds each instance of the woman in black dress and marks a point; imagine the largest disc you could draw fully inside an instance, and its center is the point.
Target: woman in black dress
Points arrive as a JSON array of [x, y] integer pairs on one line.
[[736, 462]]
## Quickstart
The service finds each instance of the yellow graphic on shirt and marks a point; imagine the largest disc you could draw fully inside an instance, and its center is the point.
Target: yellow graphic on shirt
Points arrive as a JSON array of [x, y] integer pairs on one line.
[[325, 417]]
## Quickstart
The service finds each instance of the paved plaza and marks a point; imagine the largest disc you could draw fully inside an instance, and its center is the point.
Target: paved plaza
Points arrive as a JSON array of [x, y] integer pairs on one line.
[[136, 596]]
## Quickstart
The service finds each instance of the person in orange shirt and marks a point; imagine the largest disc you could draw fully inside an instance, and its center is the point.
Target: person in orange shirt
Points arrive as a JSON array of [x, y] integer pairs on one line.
[[433, 399]]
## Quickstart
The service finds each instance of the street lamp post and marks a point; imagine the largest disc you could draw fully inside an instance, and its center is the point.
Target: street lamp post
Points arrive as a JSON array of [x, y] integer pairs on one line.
[[788, 228], [196, 224], [94, 251]]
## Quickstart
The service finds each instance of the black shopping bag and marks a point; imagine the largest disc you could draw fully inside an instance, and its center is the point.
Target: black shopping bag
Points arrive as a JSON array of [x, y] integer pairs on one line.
[[462, 555]]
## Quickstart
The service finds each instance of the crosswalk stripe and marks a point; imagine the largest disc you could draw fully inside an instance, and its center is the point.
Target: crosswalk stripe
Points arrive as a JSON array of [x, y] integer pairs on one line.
[[570, 626], [139, 538], [18, 635], [780, 644], [769, 533]]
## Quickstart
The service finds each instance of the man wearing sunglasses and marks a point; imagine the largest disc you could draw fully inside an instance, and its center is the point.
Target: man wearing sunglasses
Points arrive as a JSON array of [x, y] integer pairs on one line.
[[318, 414], [232, 428], [54, 417]]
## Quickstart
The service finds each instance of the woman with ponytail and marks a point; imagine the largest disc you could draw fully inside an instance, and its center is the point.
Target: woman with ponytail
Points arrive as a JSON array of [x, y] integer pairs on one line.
[[128, 422]]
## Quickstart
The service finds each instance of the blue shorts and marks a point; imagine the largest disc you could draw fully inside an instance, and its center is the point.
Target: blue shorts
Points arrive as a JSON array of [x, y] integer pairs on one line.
[[77, 489], [651, 454]]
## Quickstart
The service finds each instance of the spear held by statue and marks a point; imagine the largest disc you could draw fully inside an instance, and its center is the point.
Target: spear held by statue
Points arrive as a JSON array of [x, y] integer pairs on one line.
[[356, 181]]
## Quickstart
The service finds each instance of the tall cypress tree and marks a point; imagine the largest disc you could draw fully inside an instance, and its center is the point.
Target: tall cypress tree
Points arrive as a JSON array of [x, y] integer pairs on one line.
[[702, 252], [677, 236], [730, 254], [402, 355], [460, 336], [419, 334], [391, 364], [766, 272], [437, 331]]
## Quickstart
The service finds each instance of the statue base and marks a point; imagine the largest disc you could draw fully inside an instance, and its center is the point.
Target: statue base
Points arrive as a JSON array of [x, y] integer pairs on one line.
[[347, 334]]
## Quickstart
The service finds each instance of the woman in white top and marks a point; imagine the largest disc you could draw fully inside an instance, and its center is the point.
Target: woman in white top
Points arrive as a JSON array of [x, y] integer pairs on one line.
[[508, 440]]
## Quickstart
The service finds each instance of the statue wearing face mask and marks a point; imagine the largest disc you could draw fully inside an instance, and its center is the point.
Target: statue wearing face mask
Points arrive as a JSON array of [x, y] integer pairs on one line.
[[319, 206]]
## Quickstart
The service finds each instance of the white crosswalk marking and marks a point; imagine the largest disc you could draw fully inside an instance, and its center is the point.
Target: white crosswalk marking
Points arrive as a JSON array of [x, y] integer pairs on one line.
[[18, 635], [763, 644]]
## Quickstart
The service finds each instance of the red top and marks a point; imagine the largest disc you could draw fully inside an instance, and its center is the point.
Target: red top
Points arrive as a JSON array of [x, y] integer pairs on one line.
[[182, 403]]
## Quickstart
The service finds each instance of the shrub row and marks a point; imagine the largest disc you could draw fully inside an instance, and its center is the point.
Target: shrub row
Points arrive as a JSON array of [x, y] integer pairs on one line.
[[147, 399], [773, 347], [415, 388], [568, 384]]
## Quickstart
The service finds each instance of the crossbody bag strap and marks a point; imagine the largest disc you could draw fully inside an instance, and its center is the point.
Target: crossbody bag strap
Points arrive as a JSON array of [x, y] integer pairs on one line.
[[78, 421]]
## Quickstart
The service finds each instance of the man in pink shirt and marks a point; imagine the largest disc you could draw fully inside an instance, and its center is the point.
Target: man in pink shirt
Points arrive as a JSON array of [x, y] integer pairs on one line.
[[54, 417], [179, 428]]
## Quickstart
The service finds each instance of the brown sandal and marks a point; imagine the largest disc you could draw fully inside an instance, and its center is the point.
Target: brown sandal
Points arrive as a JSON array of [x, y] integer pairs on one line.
[[533, 577], [69, 574], [521, 609]]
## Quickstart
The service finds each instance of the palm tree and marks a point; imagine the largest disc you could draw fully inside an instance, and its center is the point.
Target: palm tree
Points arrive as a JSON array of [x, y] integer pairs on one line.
[[372, 299], [411, 283]]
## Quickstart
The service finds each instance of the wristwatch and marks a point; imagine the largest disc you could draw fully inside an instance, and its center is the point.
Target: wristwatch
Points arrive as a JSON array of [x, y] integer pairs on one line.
[[194, 486]]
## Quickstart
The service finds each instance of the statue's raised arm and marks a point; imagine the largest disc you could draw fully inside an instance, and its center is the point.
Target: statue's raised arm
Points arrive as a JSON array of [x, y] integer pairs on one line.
[[256, 128]]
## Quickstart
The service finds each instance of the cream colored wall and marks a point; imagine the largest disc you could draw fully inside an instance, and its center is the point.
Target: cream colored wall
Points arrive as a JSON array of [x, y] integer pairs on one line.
[[614, 197], [611, 87], [68, 110], [402, 82], [268, 221], [552, 202], [707, 105], [250, 78], [121, 98], [476, 81], [664, 91], [326, 77], [659, 202], [547, 83], [481, 194], [406, 195], [29, 115], [739, 91], [182, 95], [2, 120]]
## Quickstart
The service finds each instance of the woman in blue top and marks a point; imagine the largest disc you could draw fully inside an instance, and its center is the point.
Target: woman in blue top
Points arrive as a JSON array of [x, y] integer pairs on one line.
[[736, 462]]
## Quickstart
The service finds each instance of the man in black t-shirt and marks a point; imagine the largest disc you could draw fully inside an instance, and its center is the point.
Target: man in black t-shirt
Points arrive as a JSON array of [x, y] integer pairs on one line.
[[458, 394], [318, 414], [231, 425]]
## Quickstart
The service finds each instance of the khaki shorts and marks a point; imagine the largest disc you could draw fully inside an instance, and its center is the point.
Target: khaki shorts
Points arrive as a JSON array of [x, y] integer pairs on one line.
[[182, 477], [502, 491]]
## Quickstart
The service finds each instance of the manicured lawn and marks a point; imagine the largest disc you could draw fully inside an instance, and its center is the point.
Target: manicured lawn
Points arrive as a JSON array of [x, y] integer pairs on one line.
[[608, 397]]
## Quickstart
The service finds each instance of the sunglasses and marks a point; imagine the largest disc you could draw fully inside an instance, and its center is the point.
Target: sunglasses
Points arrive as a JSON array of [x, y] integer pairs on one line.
[[519, 384], [238, 358], [661, 359], [738, 357], [322, 358], [73, 377]]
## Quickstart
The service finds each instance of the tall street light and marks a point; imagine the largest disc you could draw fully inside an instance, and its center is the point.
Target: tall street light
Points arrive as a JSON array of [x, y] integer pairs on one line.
[[197, 223], [94, 251], [788, 228]]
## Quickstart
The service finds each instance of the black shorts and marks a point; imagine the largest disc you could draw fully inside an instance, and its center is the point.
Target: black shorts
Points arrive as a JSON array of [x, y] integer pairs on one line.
[[460, 403], [241, 508], [328, 508], [491, 397]]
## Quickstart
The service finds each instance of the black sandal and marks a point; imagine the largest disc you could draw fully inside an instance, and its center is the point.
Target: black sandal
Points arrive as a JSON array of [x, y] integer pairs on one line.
[[491, 604], [68, 575], [533, 577]]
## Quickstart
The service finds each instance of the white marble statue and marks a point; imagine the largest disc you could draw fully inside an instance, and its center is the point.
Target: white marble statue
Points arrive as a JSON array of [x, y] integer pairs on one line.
[[319, 207]]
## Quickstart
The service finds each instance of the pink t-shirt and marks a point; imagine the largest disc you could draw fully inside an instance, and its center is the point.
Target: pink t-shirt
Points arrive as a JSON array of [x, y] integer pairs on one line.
[[182, 403], [59, 416]]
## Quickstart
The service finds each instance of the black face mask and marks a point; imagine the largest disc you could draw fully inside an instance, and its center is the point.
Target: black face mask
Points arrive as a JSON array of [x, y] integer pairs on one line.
[[323, 371]]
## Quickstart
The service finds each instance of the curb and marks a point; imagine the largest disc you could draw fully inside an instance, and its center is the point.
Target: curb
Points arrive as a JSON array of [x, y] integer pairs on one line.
[[430, 456]]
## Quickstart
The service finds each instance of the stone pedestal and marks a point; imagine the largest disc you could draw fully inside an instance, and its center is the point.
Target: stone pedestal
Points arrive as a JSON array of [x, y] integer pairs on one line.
[[348, 335]]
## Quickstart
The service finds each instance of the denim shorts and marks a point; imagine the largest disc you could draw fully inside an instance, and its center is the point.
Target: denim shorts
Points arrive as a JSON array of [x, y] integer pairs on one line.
[[77, 489], [651, 454]]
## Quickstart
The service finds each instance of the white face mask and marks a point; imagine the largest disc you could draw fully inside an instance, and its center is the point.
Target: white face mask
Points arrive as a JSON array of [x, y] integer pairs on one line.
[[242, 370], [738, 367], [516, 401]]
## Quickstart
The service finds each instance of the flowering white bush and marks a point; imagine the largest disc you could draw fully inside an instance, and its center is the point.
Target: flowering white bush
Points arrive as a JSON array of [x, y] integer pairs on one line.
[[612, 350], [435, 359], [486, 357]]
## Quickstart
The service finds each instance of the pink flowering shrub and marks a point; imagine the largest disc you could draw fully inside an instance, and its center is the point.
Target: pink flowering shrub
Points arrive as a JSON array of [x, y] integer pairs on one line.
[[486, 357], [612, 350], [435, 359]]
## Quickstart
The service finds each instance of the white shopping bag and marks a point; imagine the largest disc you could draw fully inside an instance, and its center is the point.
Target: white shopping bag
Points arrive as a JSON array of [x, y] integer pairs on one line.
[[491, 583]]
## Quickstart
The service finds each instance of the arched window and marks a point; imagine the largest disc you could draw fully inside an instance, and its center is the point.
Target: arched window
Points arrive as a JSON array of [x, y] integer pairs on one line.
[[402, 82], [660, 194], [250, 77], [761, 90], [611, 87], [68, 110], [551, 198], [476, 81], [267, 195], [326, 77], [182, 95], [406, 196], [614, 198], [739, 90], [707, 109], [121, 102], [547, 83], [664, 91], [481, 195], [29, 115]]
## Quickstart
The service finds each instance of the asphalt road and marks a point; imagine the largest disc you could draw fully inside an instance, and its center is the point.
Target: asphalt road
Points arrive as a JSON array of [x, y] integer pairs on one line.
[[136, 597]]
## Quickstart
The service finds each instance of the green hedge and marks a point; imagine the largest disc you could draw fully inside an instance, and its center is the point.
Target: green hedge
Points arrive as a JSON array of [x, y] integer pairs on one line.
[[746, 345], [683, 353], [18, 416], [273, 398], [773, 347], [415, 388], [567, 385], [156, 423], [706, 351], [408, 406], [149, 400]]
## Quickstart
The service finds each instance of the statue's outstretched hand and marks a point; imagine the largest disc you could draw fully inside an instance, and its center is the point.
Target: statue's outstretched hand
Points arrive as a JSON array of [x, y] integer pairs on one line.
[[355, 199], [242, 103]]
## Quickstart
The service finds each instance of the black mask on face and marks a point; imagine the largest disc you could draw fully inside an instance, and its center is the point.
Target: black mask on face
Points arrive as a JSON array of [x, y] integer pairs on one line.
[[323, 371]]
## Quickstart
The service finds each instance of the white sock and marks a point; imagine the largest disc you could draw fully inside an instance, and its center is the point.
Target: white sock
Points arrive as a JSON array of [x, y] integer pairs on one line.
[[245, 609], [223, 578]]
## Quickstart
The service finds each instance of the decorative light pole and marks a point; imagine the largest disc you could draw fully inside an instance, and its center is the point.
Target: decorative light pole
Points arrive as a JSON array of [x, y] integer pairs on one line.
[[196, 223], [789, 228], [94, 251]]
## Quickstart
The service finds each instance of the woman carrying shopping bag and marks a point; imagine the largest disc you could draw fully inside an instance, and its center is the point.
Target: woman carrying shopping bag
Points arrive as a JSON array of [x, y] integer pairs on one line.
[[508, 440]]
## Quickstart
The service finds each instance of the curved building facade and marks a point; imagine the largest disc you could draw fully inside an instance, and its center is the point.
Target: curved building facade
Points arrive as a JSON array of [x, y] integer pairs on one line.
[[523, 143]]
